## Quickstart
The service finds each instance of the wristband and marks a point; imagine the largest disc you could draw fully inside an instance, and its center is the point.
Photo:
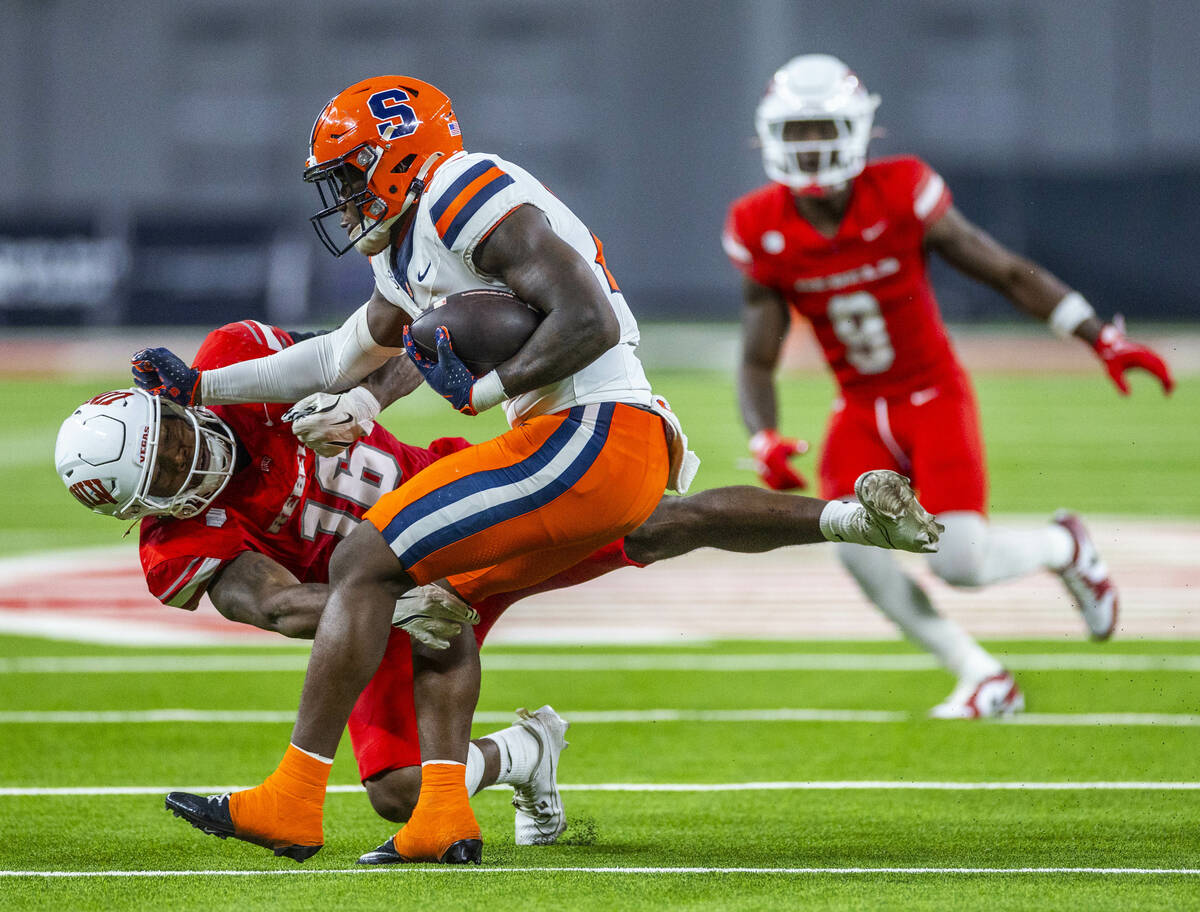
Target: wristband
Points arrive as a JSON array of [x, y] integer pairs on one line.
[[1068, 313], [487, 391]]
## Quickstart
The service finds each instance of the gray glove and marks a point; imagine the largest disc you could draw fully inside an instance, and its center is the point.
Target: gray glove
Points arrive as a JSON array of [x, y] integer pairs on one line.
[[327, 423]]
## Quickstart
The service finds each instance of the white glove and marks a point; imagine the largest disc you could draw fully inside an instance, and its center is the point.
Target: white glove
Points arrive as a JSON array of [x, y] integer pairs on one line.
[[327, 423], [432, 616]]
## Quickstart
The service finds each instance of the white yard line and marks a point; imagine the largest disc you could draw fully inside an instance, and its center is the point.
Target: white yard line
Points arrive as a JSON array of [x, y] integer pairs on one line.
[[604, 716], [813, 786], [454, 870], [609, 662]]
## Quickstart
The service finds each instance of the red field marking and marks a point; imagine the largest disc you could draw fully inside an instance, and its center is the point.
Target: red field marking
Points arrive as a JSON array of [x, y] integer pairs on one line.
[[794, 593]]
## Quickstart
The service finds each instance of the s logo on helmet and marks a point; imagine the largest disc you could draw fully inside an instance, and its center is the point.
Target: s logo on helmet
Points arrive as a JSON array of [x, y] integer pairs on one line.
[[396, 118]]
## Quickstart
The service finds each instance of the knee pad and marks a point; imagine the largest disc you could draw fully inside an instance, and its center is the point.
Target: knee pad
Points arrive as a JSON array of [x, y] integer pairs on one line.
[[962, 549]]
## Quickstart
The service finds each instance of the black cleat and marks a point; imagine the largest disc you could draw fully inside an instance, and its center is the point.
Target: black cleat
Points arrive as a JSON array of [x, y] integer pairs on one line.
[[385, 854], [211, 816], [465, 851]]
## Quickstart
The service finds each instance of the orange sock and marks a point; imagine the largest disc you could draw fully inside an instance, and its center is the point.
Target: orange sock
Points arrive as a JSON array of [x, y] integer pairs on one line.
[[442, 816], [286, 808]]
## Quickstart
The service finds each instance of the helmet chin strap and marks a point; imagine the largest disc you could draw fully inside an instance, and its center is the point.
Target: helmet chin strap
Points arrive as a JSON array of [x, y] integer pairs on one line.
[[377, 239]]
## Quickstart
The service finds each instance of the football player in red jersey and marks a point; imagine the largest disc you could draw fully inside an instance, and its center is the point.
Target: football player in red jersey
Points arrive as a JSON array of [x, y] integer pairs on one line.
[[251, 518], [844, 243]]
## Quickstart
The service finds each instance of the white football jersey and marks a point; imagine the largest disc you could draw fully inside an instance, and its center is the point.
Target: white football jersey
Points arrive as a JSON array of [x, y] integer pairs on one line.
[[468, 196]]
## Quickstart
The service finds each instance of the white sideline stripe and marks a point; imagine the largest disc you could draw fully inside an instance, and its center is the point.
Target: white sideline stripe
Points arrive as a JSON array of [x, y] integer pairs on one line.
[[618, 717], [413, 870], [611, 662], [813, 786]]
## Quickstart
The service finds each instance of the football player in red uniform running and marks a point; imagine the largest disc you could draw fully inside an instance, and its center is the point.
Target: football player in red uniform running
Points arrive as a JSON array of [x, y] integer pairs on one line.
[[843, 242], [251, 517]]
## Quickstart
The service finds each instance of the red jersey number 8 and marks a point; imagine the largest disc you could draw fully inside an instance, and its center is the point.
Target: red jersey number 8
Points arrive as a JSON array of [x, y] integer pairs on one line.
[[859, 325]]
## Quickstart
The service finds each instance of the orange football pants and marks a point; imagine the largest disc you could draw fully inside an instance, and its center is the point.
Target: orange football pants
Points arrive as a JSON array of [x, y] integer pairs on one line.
[[536, 499]]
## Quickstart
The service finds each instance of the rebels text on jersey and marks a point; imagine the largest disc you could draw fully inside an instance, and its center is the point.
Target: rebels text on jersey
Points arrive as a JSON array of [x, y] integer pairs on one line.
[[284, 501], [866, 290]]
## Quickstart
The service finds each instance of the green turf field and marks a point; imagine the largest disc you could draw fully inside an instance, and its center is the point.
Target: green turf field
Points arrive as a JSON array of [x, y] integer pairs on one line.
[[1054, 440], [804, 836], [754, 846]]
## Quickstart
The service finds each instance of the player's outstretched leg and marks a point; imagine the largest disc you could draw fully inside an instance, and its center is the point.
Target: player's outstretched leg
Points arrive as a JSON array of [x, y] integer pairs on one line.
[[442, 827], [893, 516], [280, 814], [984, 697], [1086, 579]]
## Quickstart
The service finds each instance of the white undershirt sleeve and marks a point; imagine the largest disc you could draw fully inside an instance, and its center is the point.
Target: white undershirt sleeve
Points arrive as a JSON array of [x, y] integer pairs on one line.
[[330, 362]]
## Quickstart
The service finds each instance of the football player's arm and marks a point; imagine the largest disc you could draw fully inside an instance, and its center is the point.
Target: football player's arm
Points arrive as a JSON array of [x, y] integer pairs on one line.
[[335, 360], [546, 272], [975, 253], [327, 423], [253, 589], [1037, 292], [765, 322]]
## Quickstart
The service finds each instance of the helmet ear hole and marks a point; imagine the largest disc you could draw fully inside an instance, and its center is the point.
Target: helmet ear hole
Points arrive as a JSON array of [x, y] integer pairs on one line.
[[404, 164]]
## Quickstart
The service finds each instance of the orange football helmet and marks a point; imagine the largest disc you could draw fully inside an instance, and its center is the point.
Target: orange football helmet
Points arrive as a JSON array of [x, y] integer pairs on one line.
[[374, 146]]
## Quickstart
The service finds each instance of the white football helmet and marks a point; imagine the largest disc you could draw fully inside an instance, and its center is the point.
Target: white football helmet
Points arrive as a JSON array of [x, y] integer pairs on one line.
[[107, 453], [815, 87]]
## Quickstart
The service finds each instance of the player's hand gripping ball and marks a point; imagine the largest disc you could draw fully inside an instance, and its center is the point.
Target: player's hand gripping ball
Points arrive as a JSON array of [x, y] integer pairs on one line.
[[447, 374], [488, 327]]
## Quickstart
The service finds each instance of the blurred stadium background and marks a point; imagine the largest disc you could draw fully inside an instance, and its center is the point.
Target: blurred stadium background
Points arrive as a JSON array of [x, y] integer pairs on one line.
[[153, 154]]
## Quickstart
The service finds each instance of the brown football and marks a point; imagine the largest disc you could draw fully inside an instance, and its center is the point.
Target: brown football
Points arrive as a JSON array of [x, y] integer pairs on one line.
[[487, 327]]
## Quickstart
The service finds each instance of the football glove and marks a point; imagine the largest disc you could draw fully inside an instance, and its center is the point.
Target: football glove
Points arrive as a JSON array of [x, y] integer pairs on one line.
[[432, 616], [161, 372], [328, 423], [1119, 355], [447, 375], [771, 454]]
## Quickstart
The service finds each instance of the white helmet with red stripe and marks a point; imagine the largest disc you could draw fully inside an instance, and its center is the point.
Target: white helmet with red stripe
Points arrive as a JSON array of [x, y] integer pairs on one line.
[[812, 89], [113, 452]]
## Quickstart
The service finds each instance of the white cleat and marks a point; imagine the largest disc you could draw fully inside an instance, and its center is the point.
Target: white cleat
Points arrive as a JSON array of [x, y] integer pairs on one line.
[[993, 696], [539, 818], [1087, 580], [894, 518]]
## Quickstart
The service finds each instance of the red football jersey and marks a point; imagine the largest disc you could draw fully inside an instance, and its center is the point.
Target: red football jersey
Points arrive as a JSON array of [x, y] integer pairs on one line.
[[866, 290], [284, 501]]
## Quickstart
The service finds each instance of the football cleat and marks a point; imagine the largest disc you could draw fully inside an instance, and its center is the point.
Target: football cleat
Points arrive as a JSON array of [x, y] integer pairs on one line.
[[211, 816], [1087, 580], [465, 851], [894, 518], [539, 812], [993, 696]]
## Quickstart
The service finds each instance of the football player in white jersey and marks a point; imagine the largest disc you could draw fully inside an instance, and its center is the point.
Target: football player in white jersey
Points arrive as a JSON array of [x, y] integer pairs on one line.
[[587, 459]]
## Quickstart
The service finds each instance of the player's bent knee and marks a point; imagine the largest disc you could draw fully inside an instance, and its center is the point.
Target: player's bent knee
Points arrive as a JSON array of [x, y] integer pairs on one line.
[[962, 551], [959, 563], [393, 794]]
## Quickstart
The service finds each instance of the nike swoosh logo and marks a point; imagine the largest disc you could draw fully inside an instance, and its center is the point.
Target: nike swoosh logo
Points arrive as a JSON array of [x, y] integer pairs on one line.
[[424, 272]]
